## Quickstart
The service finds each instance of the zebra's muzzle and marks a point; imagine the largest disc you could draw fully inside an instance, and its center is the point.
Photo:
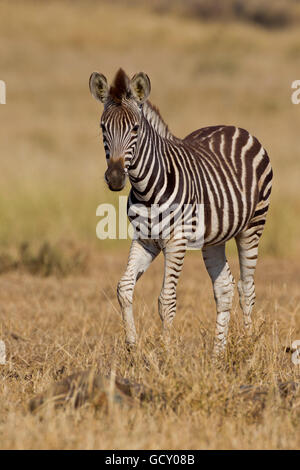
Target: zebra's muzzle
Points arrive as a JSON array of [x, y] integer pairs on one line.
[[115, 175]]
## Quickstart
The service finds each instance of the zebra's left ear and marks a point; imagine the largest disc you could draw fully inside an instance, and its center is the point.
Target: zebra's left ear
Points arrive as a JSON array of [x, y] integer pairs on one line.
[[140, 86]]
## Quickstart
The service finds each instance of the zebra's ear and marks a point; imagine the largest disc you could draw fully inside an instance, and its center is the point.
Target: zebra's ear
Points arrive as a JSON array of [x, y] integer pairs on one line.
[[98, 86], [140, 86]]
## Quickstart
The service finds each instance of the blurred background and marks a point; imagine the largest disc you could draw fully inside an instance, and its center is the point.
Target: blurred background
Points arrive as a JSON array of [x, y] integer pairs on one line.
[[210, 62]]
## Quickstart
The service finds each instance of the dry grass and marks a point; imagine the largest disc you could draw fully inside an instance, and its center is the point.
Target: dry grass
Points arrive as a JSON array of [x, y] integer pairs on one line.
[[55, 327], [61, 259], [51, 182]]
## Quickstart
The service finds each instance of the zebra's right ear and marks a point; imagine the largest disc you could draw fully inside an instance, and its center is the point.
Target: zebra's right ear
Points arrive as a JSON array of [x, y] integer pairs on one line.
[[98, 86]]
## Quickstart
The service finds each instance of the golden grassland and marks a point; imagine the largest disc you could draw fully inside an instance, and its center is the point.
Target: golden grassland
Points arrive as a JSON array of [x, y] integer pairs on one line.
[[51, 182], [54, 327]]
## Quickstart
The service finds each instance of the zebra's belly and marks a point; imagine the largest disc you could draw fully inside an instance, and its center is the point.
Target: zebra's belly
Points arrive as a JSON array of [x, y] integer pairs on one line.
[[200, 224], [220, 226]]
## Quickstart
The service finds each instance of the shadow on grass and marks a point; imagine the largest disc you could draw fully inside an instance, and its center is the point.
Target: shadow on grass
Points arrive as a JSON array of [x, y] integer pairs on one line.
[[60, 260]]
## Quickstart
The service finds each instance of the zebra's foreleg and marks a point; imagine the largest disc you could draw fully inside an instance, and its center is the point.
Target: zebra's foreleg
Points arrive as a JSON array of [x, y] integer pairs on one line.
[[174, 253], [247, 244], [141, 254], [223, 286]]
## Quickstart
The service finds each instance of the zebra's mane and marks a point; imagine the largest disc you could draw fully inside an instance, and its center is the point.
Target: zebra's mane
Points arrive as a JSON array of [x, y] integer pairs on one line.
[[153, 116], [120, 89]]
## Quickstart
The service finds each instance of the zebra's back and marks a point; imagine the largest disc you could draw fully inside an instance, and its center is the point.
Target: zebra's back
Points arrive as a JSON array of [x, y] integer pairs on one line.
[[235, 178]]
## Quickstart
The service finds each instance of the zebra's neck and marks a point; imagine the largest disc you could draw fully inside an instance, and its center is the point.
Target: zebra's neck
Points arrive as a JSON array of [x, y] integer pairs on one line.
[[153, 116], [152, 164]]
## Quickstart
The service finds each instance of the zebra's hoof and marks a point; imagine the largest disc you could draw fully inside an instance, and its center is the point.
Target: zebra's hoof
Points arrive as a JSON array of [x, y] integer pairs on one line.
[[130, 347], [218, 354]]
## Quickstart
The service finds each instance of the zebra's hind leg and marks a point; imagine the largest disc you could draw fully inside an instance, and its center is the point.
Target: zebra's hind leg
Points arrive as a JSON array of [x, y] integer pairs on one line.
[[142, 253], [247, 245], [174, 252], [223, 286]]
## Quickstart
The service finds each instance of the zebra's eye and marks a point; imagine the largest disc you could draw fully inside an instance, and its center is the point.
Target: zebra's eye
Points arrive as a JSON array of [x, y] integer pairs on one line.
[[135, 128], [103, 127]]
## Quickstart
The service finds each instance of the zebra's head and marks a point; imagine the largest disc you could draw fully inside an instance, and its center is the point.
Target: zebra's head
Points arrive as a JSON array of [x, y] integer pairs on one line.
[[120, 120]]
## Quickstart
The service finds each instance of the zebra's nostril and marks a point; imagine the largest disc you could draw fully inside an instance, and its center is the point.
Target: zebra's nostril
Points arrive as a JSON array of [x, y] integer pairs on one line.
[[106, 176]]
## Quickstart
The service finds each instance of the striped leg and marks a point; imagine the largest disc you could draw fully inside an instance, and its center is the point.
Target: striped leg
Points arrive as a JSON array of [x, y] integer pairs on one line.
[[142, 253], [223, 285], [247, 244], [174, 253]]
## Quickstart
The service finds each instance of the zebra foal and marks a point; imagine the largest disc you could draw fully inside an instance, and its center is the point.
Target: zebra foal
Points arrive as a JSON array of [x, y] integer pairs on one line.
[[223, 169]]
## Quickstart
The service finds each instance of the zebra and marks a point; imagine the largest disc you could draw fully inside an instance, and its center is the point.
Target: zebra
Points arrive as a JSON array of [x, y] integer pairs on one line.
[[223, 168]]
